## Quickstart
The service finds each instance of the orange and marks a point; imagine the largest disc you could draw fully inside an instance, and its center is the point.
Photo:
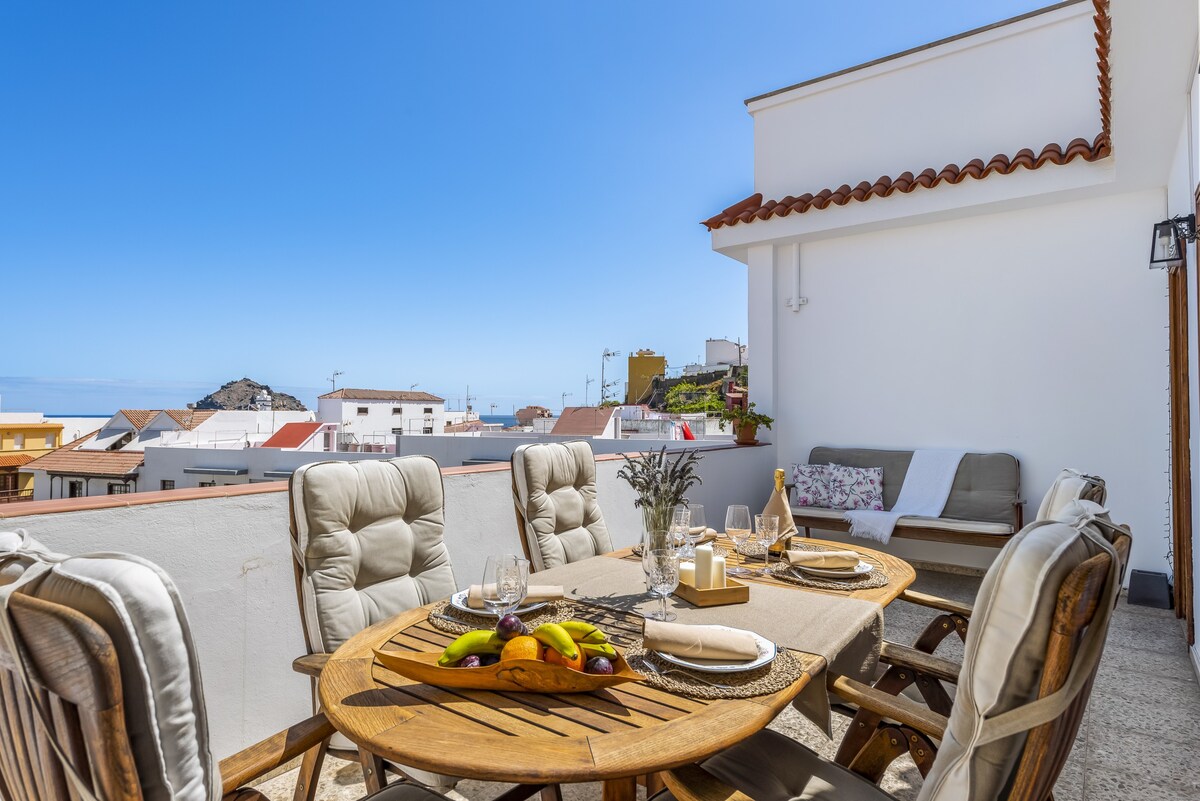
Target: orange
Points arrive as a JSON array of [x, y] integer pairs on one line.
[[523, 647], [555, 658]]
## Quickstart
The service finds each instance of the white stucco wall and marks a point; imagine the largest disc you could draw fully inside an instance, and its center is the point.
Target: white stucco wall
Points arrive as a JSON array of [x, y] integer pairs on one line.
[[379, 420], [1037, 332], [231, 560]]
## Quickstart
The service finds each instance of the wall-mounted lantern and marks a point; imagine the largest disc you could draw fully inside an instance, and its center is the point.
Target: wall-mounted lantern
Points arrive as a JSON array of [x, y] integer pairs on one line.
[[1166, 249]]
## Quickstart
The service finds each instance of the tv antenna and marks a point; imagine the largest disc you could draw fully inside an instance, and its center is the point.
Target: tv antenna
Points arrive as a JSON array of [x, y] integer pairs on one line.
[[604, 357], [492, 408], [333, 380], [587, 383], [470, 397], [411, 387], [566, 395]]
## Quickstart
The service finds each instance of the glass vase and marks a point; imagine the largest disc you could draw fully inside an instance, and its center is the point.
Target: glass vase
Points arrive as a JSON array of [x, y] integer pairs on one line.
[[656, 524]]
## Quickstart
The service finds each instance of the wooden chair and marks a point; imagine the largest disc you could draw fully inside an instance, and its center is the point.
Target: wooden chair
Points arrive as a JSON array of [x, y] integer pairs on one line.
[[1045, 681], [73, 723], [554, 495]]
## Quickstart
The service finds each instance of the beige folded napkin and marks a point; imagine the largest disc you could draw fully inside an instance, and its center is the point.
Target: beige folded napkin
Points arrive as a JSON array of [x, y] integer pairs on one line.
[[536, 594], [704, 534], [777, 505], [699, 642], [834, 560]]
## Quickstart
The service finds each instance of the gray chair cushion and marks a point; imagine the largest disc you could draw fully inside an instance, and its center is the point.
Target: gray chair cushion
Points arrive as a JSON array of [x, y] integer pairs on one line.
[[138, 606], [555, 492], [771, 767], [985, 488], [1004, 656], [371, 537]]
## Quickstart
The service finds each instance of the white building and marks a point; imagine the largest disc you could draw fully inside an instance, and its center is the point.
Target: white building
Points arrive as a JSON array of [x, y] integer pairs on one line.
[[110, 461], [372, 418], [991, 290], [720, 354]]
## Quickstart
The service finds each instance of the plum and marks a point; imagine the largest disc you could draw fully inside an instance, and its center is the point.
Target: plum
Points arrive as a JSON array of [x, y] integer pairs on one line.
[[510, 626], [599, 665], [489, 659], [472, 660]]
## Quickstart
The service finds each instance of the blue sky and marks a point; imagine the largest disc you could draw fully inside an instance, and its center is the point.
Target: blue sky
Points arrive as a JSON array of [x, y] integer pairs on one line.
[[484, 194]]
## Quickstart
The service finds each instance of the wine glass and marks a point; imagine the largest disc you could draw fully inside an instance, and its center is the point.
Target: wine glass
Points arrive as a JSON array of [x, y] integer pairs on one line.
[[696, 529], [505, 583], [662, 577], [737, 528], [681, 518], [766, 532]]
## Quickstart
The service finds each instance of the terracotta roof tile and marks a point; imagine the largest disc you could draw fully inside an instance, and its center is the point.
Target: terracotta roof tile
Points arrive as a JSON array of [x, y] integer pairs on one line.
[[14, 459], [190, 418], [382, 394], [583, 421], [291, 435], [755, 208], [140, 418], [69, 461]]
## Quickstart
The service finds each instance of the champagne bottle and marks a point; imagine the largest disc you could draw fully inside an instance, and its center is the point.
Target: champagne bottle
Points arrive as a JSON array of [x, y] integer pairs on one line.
[[778, 505]]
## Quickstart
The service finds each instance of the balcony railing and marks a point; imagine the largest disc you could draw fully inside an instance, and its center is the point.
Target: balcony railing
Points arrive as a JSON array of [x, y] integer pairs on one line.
[[14, 496]]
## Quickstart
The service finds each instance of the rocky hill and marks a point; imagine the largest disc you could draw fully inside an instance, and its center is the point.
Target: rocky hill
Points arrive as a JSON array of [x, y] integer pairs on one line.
[[240, 395]]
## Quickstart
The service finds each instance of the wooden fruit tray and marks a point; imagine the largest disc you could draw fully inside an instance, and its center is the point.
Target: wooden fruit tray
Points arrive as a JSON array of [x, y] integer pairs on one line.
[[517, 675]]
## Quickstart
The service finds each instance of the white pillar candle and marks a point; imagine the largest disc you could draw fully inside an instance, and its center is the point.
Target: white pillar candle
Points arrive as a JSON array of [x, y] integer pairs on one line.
[[687, 573], [718, 573], [704, 567]]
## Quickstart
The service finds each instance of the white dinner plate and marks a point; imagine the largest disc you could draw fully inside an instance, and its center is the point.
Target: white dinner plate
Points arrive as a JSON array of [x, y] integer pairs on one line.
[[861, 569], [766, 652], [459, 601]]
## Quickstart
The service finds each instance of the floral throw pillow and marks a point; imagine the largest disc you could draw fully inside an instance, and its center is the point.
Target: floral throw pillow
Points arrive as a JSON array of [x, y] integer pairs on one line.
[[855, 487], [812, 484]]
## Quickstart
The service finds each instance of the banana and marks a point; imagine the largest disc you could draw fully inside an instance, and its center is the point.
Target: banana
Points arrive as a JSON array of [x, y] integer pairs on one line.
[[583, 632], [479, 642], [598, 649], [556, 637]]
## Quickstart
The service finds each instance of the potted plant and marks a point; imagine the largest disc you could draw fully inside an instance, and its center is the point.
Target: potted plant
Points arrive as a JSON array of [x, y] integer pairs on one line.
[[745, 423], [660, 484]]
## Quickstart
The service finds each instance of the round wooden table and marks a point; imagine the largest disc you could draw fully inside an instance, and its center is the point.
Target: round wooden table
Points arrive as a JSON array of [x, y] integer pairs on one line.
[[613, 735]]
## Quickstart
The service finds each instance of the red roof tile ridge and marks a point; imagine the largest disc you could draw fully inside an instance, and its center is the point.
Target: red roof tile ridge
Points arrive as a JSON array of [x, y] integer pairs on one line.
[[1100, 147]]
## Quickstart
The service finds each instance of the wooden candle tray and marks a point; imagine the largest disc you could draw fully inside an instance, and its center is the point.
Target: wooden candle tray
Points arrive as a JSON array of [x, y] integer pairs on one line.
[[734, 592]]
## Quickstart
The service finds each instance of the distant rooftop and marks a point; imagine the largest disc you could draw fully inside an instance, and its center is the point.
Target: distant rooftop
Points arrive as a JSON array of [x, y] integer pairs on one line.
[[292, 435], [583, 421], [383, 394]]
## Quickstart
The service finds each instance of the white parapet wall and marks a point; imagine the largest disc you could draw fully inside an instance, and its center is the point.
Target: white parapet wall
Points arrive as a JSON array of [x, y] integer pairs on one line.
[[230, 557]]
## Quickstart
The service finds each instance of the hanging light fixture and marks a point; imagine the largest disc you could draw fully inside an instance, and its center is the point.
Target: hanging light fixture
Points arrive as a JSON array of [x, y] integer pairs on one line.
[[1166, 248]]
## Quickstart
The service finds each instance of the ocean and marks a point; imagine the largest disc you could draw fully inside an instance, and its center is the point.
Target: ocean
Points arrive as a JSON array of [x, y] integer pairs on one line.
[[506, 420]]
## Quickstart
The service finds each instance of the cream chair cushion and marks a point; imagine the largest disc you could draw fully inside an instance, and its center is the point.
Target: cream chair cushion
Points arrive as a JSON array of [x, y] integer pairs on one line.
[[139, 608], [1070, 485], [370, 534], [771, 767], [1003, 657], [18, 550], [555, 492]]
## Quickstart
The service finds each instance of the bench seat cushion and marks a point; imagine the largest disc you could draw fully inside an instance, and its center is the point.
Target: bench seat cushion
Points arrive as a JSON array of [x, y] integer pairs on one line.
[[912, 521]]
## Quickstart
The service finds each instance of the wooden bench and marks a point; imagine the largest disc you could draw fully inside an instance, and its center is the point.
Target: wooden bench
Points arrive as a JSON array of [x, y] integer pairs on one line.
[[984, 507]]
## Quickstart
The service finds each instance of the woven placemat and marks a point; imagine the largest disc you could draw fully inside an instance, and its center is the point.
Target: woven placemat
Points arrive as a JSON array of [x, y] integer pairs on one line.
[[783, 571], [453, 620], [779, 674]]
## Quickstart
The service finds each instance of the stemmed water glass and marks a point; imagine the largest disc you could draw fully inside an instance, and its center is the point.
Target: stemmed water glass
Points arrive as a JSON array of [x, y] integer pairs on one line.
[[681, 518], [695, 530], [662, 577], [766, 532], [737, 528], [505, 583]]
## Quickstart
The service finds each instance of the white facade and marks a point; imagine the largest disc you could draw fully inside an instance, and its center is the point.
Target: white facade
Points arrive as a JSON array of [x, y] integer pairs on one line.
[[379, 421], [1014, 313]]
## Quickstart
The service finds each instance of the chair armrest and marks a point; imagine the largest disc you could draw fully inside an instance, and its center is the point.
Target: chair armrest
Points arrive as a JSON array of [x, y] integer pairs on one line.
[[934, 602], [903, 656], [310, 664], [694, 783], [896, 707], [276, 750]]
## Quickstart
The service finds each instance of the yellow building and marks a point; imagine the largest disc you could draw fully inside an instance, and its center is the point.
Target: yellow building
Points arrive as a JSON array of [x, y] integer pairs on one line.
[[20, 443], [644, 367]]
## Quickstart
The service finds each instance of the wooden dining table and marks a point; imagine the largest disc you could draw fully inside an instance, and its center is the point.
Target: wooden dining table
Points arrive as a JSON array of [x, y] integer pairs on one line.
[[613, 735]]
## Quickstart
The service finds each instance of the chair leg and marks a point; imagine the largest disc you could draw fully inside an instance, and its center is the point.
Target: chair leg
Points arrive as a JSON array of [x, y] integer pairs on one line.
[[372, 770], [865, 723], [888, 744], [310, 772], [551, 792], [921, 749], [938, 629]]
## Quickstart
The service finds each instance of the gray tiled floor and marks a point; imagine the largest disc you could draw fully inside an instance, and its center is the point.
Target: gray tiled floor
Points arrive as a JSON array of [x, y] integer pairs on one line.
[[1138, 740]]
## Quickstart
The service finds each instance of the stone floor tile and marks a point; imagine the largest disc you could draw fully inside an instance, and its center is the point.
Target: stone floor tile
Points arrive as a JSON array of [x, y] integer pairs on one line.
[[1169, 718], [1174, 664], [1104, 784], [1151, 757]]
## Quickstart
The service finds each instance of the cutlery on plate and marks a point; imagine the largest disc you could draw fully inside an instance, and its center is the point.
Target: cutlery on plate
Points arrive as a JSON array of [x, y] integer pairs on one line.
[[653, 668]]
